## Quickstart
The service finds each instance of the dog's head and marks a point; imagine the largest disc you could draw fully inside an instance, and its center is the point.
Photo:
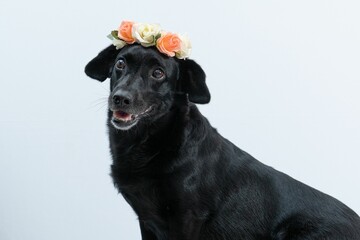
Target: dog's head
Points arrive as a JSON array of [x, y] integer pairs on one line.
[[144, 82]]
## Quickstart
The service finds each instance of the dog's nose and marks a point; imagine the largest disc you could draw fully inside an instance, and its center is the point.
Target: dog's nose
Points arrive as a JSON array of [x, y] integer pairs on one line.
[[121, 99]]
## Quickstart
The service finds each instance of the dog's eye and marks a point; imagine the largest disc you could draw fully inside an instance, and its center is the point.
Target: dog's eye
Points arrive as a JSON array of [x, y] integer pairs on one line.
[[158, 74], [120, 64]]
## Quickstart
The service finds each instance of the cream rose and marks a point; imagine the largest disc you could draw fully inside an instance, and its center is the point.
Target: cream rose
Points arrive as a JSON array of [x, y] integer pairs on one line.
[[146, 34], [185, 47]]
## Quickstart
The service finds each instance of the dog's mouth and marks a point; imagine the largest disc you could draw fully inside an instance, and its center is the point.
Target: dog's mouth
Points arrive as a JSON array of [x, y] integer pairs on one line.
[[123, 116], [124, 120]]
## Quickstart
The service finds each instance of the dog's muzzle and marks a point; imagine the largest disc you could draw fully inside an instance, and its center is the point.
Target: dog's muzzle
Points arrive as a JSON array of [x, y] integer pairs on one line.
[[124, 115]]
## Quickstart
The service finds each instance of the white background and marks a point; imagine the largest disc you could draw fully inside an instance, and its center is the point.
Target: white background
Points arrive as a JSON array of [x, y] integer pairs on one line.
[[284, 77]]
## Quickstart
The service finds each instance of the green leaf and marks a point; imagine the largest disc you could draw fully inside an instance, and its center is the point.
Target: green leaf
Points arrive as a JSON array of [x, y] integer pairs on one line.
[[115, 34], [157, 36]]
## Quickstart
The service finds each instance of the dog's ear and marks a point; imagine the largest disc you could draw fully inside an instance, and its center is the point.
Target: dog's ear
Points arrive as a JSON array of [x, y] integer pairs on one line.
[[192, 82], [100, 67]]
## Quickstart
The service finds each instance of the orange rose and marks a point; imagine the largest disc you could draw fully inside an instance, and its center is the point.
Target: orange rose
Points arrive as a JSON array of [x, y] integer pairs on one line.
[[125, 32], [169, 44]]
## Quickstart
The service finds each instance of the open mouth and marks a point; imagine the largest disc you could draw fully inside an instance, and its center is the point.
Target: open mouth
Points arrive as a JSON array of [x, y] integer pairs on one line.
[[123, 116], [124, 120]]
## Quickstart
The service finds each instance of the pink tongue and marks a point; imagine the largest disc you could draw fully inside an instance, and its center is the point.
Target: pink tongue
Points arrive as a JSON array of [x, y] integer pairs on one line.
[[122, 115]]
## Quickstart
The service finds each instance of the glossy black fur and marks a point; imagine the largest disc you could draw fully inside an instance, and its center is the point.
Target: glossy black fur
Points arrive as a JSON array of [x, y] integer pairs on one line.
[[185, 181]]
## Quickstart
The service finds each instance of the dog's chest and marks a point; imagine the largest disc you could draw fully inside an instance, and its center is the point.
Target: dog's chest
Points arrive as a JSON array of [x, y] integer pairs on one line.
[[145, 193]]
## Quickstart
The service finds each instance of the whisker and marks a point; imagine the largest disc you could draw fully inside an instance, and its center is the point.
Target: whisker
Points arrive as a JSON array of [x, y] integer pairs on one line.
[[100, 101], [102, 106]]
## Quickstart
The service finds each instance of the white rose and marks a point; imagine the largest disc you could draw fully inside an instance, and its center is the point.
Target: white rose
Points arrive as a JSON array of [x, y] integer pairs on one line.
[[146, 34], [118, 43], [185, 49]]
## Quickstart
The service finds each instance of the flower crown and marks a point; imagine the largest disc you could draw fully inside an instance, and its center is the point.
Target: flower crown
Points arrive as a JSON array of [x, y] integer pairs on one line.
[[170, 44]]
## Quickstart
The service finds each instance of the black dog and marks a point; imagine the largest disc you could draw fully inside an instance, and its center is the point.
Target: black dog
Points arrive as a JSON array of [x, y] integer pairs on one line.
[[182, 178]]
